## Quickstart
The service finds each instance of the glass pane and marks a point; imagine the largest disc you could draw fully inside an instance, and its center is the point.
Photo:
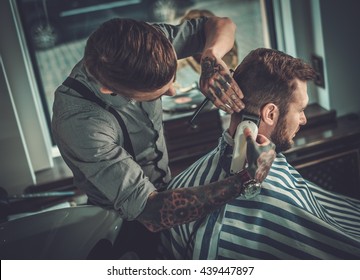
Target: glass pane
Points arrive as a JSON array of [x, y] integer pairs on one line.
[[56, 30]]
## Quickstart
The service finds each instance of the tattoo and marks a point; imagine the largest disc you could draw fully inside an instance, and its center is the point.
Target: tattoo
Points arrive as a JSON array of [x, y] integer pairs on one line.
[[211, 97], [173, 207], [224, 84], [228, 78], [217, 196], [180, 207], [209, 68], [259, 159], [264, 163], [218, 91]]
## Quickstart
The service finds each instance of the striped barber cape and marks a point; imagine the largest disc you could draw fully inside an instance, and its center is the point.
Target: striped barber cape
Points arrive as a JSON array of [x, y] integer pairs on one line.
[[291, 218]]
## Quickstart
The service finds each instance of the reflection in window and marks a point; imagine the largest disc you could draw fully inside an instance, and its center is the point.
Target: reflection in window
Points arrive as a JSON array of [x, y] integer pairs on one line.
[[56, 30]]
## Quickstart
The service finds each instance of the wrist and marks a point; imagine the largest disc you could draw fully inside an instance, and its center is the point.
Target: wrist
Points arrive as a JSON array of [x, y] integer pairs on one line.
[[249, 186], [209, 53]]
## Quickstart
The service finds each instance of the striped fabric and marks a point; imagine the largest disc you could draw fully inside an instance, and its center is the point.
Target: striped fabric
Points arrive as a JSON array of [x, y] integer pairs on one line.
[[290, 219]]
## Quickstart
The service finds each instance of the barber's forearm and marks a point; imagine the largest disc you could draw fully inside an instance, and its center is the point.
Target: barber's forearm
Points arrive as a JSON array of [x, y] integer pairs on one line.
[[183, 205], [220, 36]]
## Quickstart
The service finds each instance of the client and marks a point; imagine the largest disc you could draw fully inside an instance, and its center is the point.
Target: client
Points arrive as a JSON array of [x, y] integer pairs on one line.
[[291, 218]]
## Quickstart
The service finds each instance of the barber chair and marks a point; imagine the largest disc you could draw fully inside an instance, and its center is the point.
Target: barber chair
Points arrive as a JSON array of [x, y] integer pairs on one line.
[[79, 232]]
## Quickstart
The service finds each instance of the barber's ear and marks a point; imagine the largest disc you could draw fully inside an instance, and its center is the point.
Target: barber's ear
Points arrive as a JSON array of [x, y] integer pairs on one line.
[[105, 90], [270, 114]]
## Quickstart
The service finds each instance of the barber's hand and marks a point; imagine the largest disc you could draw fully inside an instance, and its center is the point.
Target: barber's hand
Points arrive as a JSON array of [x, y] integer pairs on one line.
[[260, 155], [217, 85]]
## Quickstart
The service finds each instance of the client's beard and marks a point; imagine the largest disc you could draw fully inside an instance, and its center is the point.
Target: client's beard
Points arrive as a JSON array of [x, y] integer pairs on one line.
[[279, 137]]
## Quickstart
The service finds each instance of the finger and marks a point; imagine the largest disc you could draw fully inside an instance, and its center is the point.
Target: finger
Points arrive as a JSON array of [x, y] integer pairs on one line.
[[206, 90], [248, 134], [264, 143], [223, 82], [227, 97], [237, 101], [233, 100], [234, 86], [217, 84], [217, 94], [262, 140], [210, 96], [228, 91], [236, 95]]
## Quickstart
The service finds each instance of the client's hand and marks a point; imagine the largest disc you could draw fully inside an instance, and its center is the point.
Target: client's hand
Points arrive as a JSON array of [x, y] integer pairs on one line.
[[218, 86], [260, 154]]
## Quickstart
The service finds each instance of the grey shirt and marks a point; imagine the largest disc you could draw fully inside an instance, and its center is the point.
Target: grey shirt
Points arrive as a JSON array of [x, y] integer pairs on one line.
[[91, 141]]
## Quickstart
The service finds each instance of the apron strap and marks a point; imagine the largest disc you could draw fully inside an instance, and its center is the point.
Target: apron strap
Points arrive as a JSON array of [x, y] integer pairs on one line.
[[89, 95]]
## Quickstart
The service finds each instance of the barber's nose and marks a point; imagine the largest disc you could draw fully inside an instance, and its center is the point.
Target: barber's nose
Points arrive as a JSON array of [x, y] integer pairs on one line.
[[171, 91], [303, 119]]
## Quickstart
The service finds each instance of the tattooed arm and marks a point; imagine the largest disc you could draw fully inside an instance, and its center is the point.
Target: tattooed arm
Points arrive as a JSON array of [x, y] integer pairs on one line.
[[178, 206], [182, 205], [216, 82]]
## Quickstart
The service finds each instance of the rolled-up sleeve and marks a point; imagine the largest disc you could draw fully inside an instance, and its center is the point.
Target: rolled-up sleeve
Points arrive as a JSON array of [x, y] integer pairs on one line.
[[187, 38]]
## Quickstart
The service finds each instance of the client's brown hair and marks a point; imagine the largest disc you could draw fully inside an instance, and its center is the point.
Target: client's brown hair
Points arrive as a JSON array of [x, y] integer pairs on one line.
[[268, 76]]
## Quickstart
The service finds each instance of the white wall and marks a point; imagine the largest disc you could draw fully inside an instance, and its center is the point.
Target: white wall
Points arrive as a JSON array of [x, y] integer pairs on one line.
[[15, 167], [21, 79], [330, 29], [341, 35], [21, 89], [294, 32]]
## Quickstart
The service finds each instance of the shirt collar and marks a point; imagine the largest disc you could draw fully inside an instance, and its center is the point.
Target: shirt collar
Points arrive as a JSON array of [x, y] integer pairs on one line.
[[117, 101]]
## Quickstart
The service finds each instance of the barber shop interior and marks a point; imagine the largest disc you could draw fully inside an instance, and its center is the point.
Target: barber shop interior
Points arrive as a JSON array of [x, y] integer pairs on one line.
[[163, 158]]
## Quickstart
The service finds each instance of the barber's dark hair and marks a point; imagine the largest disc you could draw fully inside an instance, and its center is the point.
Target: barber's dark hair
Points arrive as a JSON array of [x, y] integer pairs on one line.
[[130, 54], [268, 76]]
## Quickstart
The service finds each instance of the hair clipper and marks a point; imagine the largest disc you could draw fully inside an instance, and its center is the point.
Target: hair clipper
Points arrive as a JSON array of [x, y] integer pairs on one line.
[[240, 144]]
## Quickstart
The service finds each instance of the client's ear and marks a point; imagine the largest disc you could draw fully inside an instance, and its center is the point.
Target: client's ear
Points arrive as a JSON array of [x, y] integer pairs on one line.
[[270, 114]]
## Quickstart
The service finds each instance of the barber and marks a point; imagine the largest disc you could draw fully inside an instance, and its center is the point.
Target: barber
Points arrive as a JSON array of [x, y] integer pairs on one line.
[[107, 117]]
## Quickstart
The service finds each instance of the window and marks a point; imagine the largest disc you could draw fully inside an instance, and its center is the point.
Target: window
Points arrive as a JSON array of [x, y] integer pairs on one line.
[[56, 30]]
